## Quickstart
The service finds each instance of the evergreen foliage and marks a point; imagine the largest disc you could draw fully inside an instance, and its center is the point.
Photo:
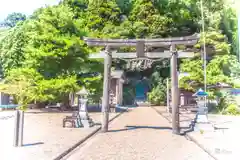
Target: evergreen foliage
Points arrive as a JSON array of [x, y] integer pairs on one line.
[[49, 43]]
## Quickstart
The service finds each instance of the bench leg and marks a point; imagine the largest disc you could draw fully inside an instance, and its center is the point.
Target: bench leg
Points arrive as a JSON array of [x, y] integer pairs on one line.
[[64, 123]]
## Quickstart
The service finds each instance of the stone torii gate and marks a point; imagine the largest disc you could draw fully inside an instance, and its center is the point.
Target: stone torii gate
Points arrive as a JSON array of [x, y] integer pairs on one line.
[[140, 54]]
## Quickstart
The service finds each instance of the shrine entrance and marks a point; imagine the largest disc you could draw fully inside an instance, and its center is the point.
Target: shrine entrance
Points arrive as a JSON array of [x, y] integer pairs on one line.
[[146, 53], [141, 89]]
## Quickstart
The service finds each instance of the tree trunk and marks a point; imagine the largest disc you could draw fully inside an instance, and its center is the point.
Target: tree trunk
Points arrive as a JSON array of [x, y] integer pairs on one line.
[[37, 105], [40, 105], [65, 105]]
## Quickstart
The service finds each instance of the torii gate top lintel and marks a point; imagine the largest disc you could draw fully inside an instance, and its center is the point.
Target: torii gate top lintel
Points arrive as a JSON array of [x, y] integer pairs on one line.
[[141, 45], [187, 40]]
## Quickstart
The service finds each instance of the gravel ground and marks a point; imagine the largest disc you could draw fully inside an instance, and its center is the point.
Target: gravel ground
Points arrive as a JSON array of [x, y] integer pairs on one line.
[[140, 134], [44, 136]]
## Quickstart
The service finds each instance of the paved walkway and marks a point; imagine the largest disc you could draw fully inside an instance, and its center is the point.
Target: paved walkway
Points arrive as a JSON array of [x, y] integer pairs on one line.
[[44, 136], [140, 134]]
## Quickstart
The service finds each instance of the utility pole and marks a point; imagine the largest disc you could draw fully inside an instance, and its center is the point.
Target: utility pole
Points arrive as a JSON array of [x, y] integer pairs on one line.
[[204, 49], [238, 45]]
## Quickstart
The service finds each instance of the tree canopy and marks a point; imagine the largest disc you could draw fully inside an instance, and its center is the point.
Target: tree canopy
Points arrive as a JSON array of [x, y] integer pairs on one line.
[[49, 43], [13, 18]]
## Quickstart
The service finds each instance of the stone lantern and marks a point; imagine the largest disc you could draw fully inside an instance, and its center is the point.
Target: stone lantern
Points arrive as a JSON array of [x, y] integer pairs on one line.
[[202, 124], [82, 108], [202, 106]]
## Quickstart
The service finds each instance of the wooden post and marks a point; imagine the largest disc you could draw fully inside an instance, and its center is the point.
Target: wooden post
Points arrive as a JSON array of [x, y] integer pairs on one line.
[[106, 89], [175, 92]]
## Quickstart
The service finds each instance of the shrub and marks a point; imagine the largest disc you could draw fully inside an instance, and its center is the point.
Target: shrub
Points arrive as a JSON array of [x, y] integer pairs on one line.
[[232, 109], [227, 105], [158, 95]]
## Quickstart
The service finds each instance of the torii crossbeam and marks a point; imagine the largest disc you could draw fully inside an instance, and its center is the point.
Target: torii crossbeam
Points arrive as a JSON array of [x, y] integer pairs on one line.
[[140, 45], [153, 55]]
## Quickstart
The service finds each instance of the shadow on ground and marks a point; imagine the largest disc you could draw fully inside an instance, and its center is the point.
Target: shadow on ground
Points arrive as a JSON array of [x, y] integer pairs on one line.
[[32, 144], [128, 128], [183, 118]]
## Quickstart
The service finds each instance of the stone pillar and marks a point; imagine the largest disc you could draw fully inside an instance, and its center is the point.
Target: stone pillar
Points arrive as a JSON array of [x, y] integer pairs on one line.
[[83, 113], [117, 91], [175, 92], [182, 99], [120, 92], [106, 89]]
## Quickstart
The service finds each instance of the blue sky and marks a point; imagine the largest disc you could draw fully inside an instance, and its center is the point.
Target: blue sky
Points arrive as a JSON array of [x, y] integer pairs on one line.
[[24, 6]]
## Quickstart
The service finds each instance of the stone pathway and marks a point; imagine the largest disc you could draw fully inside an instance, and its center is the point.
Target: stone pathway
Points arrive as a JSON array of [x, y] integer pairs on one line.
[[44, 136], [140, 134]]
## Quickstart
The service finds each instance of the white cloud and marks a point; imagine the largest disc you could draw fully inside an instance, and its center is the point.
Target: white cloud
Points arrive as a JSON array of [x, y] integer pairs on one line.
[[23, 6]]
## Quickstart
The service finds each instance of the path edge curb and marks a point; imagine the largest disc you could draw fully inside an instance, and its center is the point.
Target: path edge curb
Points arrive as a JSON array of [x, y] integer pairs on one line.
[[188, 136], [66, 152]]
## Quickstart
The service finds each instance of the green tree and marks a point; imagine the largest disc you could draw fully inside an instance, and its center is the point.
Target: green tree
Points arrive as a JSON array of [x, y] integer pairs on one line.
[[49, 43], [125, 6], [147, 21], [217, 49], [21, 83], [79, 7], [26, 85], [56, 51], [13, 18], [157, 96], [54, 46], [50, 40], [102, 17], [3, 33], [12, 48]]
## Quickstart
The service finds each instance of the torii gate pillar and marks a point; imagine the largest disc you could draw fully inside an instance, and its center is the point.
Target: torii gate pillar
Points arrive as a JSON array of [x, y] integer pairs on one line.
[[175, 91], [106, 89]]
